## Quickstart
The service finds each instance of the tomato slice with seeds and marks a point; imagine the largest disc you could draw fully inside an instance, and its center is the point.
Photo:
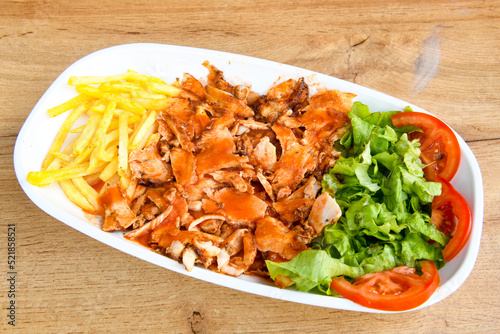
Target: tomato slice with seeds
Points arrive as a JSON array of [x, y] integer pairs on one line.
[[398, 289], [451, 215], [440, 149]]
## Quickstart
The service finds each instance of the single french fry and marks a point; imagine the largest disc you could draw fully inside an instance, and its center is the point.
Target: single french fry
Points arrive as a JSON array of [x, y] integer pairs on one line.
[[120, 87], [87, 191], [94, 80], [154, 137], [148, 137], [122, 144], [93, 161], [134, 190], [45, 177], [124, 182], [86, 137], [153, 104], [142, 130], [63, 132], [134, 76], [104, 151], [163, 88], [68, 105], [75, 196], [110, 170], [90, 91]]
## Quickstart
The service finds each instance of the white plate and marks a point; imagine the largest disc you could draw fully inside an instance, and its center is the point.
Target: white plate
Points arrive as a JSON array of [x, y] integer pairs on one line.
[[170, 62]]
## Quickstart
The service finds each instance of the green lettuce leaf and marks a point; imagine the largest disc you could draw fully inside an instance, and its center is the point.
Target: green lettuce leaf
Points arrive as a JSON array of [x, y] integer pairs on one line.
[[415, 248], [417, 223], [311, 268], [379, 184]]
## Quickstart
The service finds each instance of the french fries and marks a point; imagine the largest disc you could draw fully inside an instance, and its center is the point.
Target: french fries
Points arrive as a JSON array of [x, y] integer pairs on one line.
[[68, 105], [48, 176], [75, 196], [63, 133], [121, 115]]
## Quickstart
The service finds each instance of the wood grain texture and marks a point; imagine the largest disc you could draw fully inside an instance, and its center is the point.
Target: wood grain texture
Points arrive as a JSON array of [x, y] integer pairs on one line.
[[70, 283]]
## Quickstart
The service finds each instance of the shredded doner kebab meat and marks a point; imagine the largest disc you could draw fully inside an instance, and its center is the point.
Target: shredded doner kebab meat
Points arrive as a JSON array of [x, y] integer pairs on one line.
[[233, 178]]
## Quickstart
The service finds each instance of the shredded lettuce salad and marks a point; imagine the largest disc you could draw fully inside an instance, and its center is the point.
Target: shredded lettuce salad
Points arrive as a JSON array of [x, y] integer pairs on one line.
[[379, 184]]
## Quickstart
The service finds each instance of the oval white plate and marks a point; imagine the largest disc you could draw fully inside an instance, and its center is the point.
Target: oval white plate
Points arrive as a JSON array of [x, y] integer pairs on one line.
[[170, 62]]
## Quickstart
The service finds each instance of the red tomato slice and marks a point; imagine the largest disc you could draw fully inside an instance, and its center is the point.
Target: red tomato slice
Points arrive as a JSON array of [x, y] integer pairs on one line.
[[398, 289], [451, 215], [440, 149]]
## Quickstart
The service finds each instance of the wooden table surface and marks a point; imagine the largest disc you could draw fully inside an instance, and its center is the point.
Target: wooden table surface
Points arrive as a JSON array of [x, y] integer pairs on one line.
[[440, 55]]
